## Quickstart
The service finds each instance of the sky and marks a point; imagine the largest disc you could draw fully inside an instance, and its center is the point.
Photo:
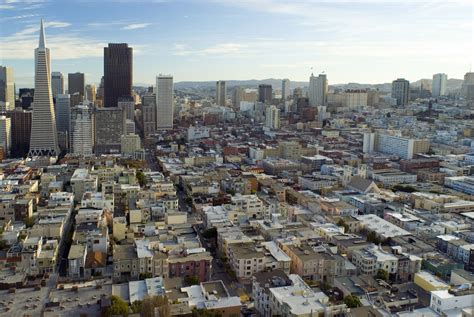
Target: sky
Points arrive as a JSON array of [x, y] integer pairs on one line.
[[365, 41]]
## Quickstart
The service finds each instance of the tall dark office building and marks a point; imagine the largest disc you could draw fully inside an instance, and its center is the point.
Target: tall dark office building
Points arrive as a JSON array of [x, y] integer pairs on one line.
[[26, 96], [76, 83], [118, 73], [265, 93], [20, 131]]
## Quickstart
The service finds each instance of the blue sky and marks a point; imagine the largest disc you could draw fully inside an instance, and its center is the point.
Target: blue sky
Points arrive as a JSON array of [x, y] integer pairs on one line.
[[367, 41]]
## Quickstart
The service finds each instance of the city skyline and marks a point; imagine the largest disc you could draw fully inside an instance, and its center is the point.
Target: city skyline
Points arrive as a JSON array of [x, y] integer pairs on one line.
[[245, 40]]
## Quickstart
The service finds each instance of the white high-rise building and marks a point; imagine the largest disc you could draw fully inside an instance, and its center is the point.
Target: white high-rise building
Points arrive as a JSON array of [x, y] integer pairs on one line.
[[272, 118], [5, 134], [7, 86], [164, 102], [82, 130], [285, 89], [318, 90], [57, 84], [221, 93], [438, 87], [44, 139]]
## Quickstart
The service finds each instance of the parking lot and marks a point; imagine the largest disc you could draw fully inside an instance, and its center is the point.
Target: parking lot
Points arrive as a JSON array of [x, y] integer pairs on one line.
[[24, 302], [85, 301]]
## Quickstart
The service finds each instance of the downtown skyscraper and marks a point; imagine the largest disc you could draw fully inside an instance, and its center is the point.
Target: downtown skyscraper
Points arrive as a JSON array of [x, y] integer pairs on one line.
[[221, 93], [57, 84], [439, 84], [118, 73], [164, 102], [318, 90], [44, 139], [7, 87]]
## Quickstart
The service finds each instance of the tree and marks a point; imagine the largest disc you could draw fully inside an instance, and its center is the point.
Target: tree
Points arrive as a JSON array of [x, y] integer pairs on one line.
[[372, 237], [149, 305], [210, 233], [191, 280], [136, 306], [29, 222], [141, 178], [382, 275], [342, 223], [117, 307], [352, 301], [143, 276], [404, 188], [205, 313]]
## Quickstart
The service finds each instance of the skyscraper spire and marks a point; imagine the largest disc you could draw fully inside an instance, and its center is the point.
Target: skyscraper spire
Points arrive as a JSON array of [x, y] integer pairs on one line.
[[42, 39], [44, 140]]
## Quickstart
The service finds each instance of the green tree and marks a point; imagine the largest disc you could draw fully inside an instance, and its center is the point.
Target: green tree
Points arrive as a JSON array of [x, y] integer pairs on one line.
[[404, 188], [118, 307], [136, 306], [210, 233], [191, 280], [342, 223], [352, 301], [160, 303], [143, 276], [382, 275], [141, 178], [372, 237], [205, 313]]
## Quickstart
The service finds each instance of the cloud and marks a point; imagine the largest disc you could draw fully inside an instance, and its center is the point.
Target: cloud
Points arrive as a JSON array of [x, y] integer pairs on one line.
[[215, 50], [135, 26], [34, 28], [21, 45], [22, 4], [20, 17]]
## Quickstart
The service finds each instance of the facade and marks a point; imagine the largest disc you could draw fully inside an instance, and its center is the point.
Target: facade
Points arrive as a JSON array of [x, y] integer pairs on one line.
[[221, 93], [318, 90], [76, 87], [130, 144], [444, 301], [63, 113], [82, 130], [5, 134], [21, 131], [7, 86], [118, 73], [265, 93], [128, 106], [372, 258], [272, 118], [149, 115], [44, 138], [91, 93], [108, 128], [401, 91], [354, 98], [438, 87], [187, 264], [468, 86], [318, 266], [285, 89], [164, 102], [403, 147], [57, 84]]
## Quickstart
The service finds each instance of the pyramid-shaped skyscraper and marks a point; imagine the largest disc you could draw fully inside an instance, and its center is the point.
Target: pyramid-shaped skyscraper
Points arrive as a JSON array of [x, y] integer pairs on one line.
[[43, 141]]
